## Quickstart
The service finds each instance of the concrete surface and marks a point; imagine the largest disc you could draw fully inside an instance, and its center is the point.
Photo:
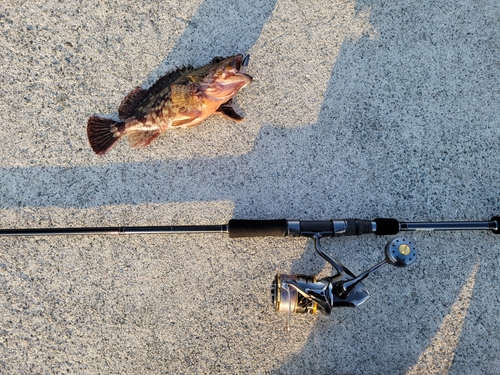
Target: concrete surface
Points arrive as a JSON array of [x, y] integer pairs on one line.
[[358, 109]]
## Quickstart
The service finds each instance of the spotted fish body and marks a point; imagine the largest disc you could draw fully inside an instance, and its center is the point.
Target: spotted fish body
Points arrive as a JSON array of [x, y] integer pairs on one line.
[[180, 99]]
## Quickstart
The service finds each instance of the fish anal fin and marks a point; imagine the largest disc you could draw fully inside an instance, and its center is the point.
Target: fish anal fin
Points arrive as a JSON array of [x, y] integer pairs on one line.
[[131, 103], [143, 138], [227, 110]]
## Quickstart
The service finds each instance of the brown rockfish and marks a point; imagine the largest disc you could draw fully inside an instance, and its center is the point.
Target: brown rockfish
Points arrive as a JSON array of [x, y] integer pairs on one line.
[[180, 99]]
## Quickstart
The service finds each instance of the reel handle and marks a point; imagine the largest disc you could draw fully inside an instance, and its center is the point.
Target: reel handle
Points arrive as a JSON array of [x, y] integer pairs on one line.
[[399, 252], [305, 294]]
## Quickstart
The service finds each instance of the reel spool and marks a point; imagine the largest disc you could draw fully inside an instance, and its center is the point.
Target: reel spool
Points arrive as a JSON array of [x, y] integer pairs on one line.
[[286, 299], [303, 294]]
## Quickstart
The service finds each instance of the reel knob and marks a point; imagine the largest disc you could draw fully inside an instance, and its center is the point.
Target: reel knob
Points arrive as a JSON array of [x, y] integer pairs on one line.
[[400, 252]]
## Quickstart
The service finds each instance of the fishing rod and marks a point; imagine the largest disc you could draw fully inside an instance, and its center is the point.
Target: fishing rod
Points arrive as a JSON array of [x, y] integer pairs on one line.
[[237, 228], [299, 294]]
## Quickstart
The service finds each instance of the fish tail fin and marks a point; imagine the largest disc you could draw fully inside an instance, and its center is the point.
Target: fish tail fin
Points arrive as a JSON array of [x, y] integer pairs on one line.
[[103, 133]]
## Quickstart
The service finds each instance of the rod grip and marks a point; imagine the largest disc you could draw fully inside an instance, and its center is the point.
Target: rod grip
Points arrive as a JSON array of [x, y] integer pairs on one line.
[[386, 226], [257, 228], [497, 219]]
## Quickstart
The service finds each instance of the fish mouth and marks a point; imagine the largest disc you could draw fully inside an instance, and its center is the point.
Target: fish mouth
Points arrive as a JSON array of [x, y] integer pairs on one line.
[[244, 64], [224, 79], [240, 63]]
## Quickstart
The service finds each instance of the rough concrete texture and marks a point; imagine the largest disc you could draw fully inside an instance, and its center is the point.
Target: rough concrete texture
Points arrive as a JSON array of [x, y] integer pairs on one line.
[[358, 109]]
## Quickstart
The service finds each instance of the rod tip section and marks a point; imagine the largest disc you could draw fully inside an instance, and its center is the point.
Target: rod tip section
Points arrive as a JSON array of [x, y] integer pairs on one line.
[[497, 220], [386, 226]]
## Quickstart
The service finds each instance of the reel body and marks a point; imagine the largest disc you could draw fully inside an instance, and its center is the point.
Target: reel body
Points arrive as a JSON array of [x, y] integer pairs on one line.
[[302, 294]]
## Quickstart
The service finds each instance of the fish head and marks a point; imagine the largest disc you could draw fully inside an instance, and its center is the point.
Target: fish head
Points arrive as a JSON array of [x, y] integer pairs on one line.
[[223, 78]]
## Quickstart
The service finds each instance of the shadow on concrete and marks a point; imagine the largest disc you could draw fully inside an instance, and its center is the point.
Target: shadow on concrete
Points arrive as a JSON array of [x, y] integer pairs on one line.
[[327, 169]]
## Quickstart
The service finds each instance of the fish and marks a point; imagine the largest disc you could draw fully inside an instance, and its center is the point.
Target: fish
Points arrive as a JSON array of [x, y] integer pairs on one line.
[[182, 98]]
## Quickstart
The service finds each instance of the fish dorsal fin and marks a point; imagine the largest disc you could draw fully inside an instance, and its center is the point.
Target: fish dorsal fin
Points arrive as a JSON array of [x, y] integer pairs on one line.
[[228, 111], [167, 80], [139, 100], [131, 103]]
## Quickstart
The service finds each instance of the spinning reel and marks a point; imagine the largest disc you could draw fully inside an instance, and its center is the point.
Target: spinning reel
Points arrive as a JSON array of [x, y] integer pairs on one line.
[[303, 294]]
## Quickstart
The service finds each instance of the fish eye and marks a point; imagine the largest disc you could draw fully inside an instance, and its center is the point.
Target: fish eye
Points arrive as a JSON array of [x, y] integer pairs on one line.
[[217, 59]]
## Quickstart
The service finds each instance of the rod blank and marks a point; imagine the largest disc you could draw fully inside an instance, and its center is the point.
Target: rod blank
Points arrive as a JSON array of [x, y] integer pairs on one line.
[[450, 225], [180, 229]]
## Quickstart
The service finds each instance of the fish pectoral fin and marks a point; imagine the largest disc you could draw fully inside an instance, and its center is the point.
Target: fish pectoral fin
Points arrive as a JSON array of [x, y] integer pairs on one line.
[[143, 138], [187, 105], [186, 96], [227, 110], [131, 103]]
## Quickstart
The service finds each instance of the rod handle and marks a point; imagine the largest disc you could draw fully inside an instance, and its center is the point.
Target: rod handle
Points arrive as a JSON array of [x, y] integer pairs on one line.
[[386, 226], [257, 228], [497, 219]]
